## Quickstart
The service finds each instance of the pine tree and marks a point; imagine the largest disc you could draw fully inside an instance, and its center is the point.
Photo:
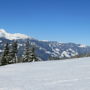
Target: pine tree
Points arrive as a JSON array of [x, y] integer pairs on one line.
[[4, 59], [29, 54], [33, 56], [13, 53]]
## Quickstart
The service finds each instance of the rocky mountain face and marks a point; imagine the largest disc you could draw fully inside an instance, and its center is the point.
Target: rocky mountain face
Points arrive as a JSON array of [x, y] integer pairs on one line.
[[44, 49]]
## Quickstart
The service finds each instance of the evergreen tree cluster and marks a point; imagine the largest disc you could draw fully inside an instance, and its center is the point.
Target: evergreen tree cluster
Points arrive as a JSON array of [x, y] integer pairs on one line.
[[10, 52], [29, 54]]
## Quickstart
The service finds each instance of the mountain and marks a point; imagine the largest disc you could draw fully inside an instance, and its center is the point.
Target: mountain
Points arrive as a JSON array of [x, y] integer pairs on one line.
[[44, 49]]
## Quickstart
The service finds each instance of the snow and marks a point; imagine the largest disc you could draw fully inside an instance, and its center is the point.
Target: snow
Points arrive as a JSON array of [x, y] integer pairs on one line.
[[0, 41], [50, 75], [57, 49], [20, 45], [44, 40], [83, 46], [1, 50], [68, 53], [10, 36], [65, 54], [48, 52]]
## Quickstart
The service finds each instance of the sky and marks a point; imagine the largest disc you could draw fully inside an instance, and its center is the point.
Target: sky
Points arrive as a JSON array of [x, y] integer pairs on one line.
[[54, 20]]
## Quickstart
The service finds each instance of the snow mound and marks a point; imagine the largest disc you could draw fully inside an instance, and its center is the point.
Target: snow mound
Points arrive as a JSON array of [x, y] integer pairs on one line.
[[10, 36], [51, 75]]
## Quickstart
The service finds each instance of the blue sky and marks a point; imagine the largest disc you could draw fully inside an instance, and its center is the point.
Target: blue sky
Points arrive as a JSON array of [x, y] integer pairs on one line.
[[58, 20]]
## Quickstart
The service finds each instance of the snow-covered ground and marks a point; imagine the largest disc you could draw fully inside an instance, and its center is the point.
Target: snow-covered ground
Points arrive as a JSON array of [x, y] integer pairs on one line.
[[50, 75]]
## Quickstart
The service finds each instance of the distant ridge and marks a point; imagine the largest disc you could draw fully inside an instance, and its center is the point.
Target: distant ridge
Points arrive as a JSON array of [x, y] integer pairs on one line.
[[45, 49]]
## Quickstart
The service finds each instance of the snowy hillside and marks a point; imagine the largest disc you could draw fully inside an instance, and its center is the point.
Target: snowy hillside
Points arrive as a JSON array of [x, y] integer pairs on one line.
[[50, 75]]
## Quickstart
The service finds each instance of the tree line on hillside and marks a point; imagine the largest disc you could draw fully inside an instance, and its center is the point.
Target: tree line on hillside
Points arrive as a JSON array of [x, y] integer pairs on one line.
[[9, 55]]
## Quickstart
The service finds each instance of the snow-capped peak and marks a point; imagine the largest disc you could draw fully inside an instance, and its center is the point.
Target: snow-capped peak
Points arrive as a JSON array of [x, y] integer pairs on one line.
[[10, 36]]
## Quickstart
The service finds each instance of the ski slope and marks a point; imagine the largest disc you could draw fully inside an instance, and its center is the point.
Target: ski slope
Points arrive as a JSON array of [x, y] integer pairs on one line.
[[50, 75]]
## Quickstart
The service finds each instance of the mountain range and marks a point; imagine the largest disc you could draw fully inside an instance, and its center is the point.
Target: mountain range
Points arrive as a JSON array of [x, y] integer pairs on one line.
[[44, 49]]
